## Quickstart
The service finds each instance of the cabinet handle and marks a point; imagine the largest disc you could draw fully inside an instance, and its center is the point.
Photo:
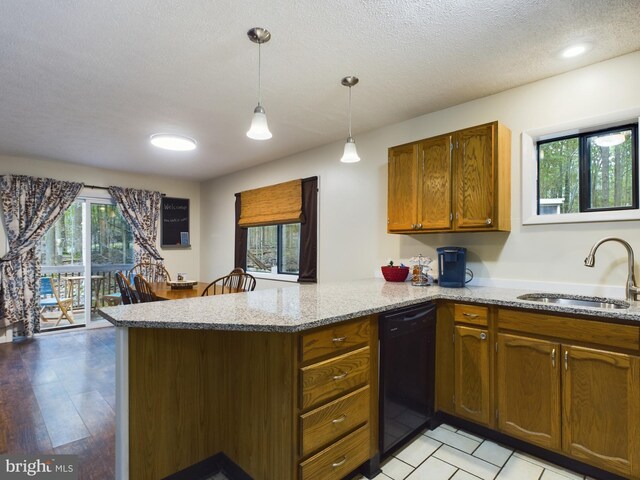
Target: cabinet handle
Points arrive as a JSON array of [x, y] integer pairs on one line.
[[341, 376], [470, 315], [340, 462], [413, 225], [451, 216], [553, 358], [419, 226], [488, 221], [566, 359], [340, 419], [483, 336], [338, 339]]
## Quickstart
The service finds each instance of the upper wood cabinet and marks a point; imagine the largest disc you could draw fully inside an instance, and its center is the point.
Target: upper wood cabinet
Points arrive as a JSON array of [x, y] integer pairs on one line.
[[454, 182]]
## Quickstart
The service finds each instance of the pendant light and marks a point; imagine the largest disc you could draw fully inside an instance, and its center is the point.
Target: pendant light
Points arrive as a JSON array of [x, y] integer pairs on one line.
[[259, 129], [350, 154]]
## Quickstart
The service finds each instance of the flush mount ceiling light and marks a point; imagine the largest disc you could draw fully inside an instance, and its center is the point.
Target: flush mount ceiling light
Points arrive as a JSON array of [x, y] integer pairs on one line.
[[174, 142], [259, 129], [610, 140], [575, 50], [350, 154]]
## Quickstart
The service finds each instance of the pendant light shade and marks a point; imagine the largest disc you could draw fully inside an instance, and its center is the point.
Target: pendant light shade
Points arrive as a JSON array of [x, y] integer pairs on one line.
[[350, 154], [259, 129]]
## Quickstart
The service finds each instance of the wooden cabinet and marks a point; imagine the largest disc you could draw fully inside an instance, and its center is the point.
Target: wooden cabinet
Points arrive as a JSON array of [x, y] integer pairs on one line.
[[337, 414], [472, 374], [529, 375], [601, 409], [454, 182], [586, 396]]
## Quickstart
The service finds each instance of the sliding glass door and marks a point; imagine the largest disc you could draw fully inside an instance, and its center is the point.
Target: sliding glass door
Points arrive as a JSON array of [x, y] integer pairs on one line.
[[80, 255]]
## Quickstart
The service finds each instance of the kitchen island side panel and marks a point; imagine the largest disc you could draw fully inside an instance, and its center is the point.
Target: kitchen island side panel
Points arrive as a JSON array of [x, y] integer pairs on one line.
[[194, 393]]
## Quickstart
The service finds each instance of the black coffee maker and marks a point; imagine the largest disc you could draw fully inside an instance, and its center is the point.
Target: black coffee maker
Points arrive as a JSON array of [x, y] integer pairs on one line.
[[452, 266]]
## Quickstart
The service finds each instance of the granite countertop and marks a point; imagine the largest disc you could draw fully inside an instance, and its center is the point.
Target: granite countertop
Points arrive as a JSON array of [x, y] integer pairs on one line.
[[297, 307]]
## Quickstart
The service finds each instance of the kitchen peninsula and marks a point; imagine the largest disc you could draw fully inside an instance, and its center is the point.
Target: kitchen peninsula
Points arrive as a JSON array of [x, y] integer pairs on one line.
[[244, 374]]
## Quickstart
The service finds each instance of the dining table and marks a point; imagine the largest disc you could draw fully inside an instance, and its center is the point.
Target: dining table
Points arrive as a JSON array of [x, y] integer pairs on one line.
[[164, 291]]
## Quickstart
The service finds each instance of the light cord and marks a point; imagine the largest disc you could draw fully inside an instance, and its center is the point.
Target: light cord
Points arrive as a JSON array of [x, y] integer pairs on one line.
[[259, 71], [349, 111]]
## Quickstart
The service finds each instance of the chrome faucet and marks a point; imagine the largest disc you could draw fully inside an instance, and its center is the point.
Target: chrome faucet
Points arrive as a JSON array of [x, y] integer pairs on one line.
[[632, 290]]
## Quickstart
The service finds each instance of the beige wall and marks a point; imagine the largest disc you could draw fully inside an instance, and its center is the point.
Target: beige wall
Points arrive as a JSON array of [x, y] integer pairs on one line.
[[352, 222], [183, 260]]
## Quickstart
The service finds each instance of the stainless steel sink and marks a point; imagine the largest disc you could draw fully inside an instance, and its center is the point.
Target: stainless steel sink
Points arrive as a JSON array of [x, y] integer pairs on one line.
[[575, 300]]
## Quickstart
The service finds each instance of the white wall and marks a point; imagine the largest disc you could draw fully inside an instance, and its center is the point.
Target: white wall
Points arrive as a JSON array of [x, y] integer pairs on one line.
[[353, 241], [183, 260]]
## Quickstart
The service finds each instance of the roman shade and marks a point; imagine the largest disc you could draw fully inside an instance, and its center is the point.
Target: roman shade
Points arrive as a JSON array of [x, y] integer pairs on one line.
[[272, 205]]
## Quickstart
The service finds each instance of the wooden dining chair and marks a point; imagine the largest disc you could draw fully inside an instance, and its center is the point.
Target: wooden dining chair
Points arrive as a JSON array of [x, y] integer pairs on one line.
[[152, 272], [232, 283], [127, 294], [144, 290], [50, 299]]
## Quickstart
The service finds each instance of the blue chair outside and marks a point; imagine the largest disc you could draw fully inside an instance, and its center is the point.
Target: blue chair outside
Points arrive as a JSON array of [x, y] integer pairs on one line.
[[50, 300]]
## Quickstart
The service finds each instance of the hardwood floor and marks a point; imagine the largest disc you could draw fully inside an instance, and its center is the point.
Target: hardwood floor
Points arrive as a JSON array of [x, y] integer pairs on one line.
[[57, 396]]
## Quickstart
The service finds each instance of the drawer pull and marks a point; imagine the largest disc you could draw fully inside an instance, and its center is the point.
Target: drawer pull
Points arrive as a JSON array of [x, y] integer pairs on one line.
[[339, 463], [338, 339], [340, 419], [553, 358], [470, 315], [341, 376]]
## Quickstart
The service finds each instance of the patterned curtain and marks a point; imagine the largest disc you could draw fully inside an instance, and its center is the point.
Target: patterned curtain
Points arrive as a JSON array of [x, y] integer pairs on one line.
[[141, 209], [30, 206]]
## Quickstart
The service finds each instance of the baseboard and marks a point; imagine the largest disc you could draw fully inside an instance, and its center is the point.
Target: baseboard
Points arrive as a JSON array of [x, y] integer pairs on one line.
[[6, 335]]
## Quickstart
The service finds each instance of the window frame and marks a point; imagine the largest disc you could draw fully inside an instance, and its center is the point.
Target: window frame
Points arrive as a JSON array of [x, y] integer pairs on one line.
[[584, 167], [529, 168], [280, 275]]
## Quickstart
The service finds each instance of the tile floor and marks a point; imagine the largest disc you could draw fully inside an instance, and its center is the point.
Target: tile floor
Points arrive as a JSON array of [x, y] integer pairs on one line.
[[450, 454]]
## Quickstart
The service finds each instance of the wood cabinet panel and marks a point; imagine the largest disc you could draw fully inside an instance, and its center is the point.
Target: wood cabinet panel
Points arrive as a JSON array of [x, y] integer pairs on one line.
[[325, 424], [472, 374], [601, 409], [475, 177], [402, 209], [445, 358], [434, 192], [528, 384], [326, 380], [472, 314], [334, 339], [336, 461], [572, 329]]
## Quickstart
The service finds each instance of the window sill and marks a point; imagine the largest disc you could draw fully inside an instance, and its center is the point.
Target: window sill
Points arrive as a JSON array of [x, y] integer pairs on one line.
[[585, 217], [278, 277]]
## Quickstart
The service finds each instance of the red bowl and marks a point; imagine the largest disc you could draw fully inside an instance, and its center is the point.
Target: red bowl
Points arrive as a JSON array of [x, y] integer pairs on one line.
[[395, 274]]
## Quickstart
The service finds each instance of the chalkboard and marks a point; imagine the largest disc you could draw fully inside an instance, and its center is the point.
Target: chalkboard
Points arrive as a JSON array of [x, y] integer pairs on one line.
[[175, 222]]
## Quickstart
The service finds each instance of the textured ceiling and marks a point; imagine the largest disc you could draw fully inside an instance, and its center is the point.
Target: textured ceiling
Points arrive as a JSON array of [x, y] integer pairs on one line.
[[88, 82]]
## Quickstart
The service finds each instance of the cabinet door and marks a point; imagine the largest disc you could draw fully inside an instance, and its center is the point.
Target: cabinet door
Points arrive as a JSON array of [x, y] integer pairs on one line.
[[474, 172], [529, 389], [434, 192], [402, 210], [472, 374], [601, 409]]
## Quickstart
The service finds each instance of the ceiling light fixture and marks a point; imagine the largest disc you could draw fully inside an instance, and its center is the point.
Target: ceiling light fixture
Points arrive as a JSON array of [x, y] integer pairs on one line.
[[350, 154], [259, 129], [172, 141], [610, 140], [574, 50]]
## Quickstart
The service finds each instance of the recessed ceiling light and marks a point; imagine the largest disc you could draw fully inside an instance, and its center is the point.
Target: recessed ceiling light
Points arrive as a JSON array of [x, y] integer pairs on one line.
[[610, 140], [171, 141], [575, 50]]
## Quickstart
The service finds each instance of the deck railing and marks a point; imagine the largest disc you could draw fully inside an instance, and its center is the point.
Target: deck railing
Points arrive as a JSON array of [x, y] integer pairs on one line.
[[108, 285]]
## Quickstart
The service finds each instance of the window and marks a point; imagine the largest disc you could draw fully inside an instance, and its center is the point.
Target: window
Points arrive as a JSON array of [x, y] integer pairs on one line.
[[274, 249], [595, 171]]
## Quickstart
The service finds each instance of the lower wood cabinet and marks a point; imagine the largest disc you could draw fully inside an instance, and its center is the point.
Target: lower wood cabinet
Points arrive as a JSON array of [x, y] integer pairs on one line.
[[601, 409], [528, 386], [472, 374]]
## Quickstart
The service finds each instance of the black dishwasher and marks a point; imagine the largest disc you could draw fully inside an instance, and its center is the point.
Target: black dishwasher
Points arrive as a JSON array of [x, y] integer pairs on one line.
[[407, 373]]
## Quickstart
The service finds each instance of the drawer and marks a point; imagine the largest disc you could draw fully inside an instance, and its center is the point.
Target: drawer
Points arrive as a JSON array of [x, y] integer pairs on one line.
[[472, 314], [324, 425], [336, 461], [572, 329], [331, 378], [334, 339]]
